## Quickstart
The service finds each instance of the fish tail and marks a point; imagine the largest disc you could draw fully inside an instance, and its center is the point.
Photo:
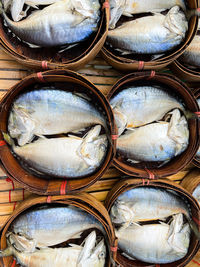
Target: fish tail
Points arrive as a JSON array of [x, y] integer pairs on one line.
[[8, 139], [194, 228], [6, 252]]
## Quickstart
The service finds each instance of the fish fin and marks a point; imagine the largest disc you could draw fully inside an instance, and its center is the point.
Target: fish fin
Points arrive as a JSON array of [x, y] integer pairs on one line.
[[8, 139], [123, 52], [128, 257], [78, 131], [133, 161], [31, 4], [7, 252], [82, 95], [74, 137]]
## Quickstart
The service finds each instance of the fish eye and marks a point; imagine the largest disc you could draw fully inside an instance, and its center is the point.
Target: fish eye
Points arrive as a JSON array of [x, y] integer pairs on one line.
[[101, 255]]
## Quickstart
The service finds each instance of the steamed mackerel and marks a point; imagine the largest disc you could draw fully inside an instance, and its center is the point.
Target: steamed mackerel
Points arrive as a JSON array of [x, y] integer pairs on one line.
[[156, 141], [151, 34], [191, 56], [64, 22], [48, 226], [16, 6], [156, 243], [48, 112], [137, 106], [129, 7], [66, 156], [145, 204], [74, 256]]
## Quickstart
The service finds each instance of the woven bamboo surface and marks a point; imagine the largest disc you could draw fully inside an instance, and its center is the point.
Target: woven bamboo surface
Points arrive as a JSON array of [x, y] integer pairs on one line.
[[103, 76]]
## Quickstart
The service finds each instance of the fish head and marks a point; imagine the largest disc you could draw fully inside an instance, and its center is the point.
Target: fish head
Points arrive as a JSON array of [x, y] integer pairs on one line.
[[20, 125], [179, 234], [176, 23], [121, 213], [178, 131], [91, 255], [93, 147], [21, 243], [87, 8]]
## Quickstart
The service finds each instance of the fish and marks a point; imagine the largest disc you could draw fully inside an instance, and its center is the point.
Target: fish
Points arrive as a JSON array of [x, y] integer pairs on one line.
[[75, 156], [158, 243], [16, 7], [72, 256], [49, 112], [130, 7], [160, 141], [154, 34], [137, 106], [147, 203], [63, 22], [48, 226], [191, 55], [196, 193]]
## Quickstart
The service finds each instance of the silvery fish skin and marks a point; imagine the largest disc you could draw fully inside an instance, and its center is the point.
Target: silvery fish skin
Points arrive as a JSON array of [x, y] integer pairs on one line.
[[159, 141], [49, 226], [151, 34], [137, 106], [129, 7], [73, 256], [48, 112], [156, 243], [75, 156], [16, 8], [191, 56], [145, 204], [196, 193], [63, 22]]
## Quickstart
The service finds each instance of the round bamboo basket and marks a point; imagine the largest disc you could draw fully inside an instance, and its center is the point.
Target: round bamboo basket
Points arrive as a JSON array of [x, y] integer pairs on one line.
[[191, 180], [52, 186], [128, 184], [132, 64], [51, 58], [82, 200], [178, 87], [184, 73]]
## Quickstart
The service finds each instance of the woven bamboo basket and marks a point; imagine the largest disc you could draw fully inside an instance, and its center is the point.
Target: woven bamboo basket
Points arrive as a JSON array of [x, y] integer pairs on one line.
[[51, 58], [178, 87], [131, 64], [191, 180], [128, 184], [30, 181], [81, 200], [184, 73]]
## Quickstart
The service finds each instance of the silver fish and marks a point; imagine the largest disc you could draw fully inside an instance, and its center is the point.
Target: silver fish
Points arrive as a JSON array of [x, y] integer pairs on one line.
[[191, 56], [129, 7], [16, 7], [49, 226], [64, 22], [145, 204], [75, 156], [160, 141], [73, 256], [137, 106], [48, 112], [196, 193], [156, 243], [150, 34]]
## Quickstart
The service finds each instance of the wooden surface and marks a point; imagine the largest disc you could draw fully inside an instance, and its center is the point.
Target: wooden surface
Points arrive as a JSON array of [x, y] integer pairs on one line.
[[103, 76]]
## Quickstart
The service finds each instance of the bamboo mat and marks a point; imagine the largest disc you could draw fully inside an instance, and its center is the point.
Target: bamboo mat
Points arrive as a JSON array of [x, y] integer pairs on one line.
[[103, 76]]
